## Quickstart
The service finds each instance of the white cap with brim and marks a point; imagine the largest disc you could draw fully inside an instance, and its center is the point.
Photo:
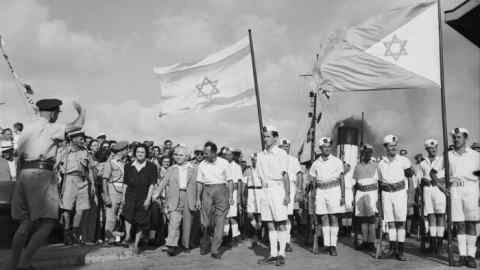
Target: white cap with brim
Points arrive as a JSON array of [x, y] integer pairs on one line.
[[268, 128], [431, 143], [285, 141], [390, 139], [460, 130], [325, 141]]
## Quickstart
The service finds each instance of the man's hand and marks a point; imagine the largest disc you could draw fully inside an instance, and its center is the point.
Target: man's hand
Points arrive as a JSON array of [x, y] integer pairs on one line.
[[198, 205], [77, 106], [146, 204], [286, 200]]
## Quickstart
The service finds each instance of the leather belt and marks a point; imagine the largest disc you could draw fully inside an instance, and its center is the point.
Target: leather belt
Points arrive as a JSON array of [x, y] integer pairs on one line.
[[38, 164], [79, 174], [253, 187], [214, 185], [327, 185], [183, 189], [366, 188], [393, 187]]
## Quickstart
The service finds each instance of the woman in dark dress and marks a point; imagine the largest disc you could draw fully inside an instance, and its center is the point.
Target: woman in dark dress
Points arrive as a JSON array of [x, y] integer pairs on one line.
[[140, 175]]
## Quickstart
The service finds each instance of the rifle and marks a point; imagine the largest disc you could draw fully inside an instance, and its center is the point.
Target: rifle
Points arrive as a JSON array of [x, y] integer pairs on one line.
[[379, 249], [316, 231], [354, 219]]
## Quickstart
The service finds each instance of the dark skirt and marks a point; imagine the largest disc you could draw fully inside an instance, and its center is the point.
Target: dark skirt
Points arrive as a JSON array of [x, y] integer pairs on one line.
[[135, 214]]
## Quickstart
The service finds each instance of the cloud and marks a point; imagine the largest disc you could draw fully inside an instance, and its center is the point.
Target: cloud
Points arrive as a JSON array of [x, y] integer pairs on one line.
[[41, 44]]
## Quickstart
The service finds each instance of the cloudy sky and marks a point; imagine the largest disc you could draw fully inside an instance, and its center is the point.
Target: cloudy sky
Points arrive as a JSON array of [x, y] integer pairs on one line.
[[103, 56]]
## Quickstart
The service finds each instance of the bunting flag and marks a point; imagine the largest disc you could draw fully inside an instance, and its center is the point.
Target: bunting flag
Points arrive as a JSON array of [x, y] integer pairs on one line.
[[219, 81], [27, 91], [398, 49]]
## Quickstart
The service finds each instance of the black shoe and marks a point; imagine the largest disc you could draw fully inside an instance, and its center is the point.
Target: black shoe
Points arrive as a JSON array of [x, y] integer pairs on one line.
[[216, 256], [268, 260], [460, 262], [288, 248], [400, 256], [333, 251], [280, 261], [172, 251], [470, 262], [67, 238], [204, 251], [254, 245]]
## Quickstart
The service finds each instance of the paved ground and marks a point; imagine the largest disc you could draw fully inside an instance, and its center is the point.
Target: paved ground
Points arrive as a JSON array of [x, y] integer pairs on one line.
[[242, 258]]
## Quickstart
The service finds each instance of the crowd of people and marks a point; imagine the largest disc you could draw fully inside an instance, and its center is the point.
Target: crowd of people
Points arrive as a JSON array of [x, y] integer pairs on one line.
[[141, 194]]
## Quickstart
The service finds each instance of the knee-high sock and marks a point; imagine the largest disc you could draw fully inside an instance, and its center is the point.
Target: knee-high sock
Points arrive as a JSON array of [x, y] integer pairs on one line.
[[401, 235], [433, 231], [364, 232], [462, 244], [333, 236], [471, 245], [226, 228], [235, 230], [289, 231], [371, 233], [440, 231], [392, 234], [273, 237], [326, 236], [282, 240]]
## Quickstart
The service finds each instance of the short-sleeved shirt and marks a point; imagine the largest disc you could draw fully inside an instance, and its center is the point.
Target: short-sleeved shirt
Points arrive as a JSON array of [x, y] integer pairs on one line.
[[113, 170], [236, 172], [39, 140], [327, 170], [75, 161], [365, 170], [427, 166], [393, 171], [462, 165], [272, 164], [293, 168], [217, 172]]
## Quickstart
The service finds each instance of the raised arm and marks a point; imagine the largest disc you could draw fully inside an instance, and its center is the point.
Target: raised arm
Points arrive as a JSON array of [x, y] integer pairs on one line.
[[78, 123]]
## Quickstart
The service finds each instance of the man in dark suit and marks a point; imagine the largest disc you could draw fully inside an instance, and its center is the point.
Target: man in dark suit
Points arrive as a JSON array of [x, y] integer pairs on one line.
[[180, 187]]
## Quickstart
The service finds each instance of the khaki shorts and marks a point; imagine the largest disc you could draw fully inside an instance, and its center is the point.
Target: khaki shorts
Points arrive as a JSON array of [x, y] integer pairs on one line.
[[35, 195], [75, 193]]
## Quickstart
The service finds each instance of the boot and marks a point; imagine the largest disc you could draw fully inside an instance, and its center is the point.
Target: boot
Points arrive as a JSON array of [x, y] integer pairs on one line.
[[400, 256], [392, 250], [67, 237]]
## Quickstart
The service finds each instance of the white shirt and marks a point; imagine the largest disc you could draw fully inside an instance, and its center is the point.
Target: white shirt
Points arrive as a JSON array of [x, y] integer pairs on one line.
[[293, 168], [40, 139], [271, 164], [182, 176], [463, 165], [327, 170], [217, 172], [437, 164], [236, 172], [393, 171]]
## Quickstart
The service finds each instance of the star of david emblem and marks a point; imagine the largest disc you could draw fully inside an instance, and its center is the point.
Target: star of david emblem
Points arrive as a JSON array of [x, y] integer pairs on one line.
[[207, 88], [395, 47]]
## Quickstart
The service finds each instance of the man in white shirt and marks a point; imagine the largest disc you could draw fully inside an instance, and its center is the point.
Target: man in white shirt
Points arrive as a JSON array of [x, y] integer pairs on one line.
[[394, 173], [327, 172], [464, 195], [272, 169], [434, 201], [295, 175], [214, 196], [236, 173], [7, 151]]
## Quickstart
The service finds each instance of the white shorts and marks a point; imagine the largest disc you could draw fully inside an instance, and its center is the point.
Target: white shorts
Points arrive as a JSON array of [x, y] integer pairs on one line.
[[434, 201], [271, 205], [465, 202], [366, 203], [394, 206], [327, 201], [233, 209], [254, 199], [293, 191]]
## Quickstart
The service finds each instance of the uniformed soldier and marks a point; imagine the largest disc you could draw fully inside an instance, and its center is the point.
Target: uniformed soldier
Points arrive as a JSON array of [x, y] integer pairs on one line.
[[75, 167], [327, 172], [365, 176], [254, 198], [394, 173], [36, 199], [434, 200], [464, 192], [237, 177], [295, 175], [272, 169]]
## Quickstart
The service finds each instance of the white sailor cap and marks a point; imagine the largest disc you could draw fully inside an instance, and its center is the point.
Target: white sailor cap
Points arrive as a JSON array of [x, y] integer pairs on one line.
[[6, 145], [431, 143], [100, 135], [268, 128], [460, 130], [254, 155], [285, 141], [325, 141], [390, 139], [225, 149]]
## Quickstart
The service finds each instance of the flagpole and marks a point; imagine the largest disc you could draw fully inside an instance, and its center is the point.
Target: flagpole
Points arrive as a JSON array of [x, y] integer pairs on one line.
[[445, 134], [257, 94]]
